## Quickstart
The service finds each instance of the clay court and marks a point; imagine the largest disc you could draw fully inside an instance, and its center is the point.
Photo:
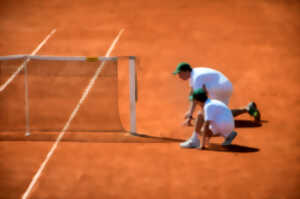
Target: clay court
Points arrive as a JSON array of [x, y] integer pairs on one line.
[[254, 43]]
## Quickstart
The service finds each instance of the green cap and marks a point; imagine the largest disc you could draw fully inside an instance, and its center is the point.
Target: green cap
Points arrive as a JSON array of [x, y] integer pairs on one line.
[[199, 95], [183, 66]]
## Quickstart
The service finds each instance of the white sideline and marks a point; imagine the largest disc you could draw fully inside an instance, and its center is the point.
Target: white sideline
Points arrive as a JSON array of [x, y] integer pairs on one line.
[[26, 61], [50, 153]]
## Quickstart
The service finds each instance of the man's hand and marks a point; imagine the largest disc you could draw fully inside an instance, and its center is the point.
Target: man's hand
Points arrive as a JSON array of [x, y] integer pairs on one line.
[[188, 115], [188, 121]]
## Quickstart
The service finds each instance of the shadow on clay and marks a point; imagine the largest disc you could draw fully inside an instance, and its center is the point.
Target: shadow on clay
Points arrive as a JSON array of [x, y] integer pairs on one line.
[[231, 148], [100, 137], [248, 123]]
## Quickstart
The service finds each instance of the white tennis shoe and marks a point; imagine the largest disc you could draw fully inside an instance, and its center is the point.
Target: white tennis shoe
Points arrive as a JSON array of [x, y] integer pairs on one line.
[[190, 143]]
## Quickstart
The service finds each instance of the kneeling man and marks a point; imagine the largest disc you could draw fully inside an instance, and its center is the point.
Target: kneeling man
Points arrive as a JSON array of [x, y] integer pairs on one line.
[[215, 119]]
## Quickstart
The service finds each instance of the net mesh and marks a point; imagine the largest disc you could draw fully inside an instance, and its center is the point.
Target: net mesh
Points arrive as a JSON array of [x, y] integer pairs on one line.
[[54, 89], [12, 112]]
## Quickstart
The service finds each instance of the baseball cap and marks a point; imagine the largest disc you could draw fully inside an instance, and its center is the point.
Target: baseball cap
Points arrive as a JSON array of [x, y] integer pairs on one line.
[[199, 95], [183, 66]]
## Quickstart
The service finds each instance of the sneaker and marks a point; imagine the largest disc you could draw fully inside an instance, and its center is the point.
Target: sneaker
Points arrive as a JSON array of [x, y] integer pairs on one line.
[[190, 144], [253, 111], [229, 138]]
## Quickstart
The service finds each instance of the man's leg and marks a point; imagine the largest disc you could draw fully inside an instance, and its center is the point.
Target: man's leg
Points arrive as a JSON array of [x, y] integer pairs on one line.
[[251, 108], [209, 134], [224, 94], [238, 111], [194, 141], [199, 122]]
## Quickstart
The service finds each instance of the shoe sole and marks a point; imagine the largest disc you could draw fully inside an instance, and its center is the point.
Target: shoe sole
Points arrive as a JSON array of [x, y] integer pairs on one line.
[[189, 147], [255, 113]]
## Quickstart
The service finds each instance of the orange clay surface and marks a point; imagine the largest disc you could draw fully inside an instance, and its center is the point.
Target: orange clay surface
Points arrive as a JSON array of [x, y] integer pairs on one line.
[[254, 42]]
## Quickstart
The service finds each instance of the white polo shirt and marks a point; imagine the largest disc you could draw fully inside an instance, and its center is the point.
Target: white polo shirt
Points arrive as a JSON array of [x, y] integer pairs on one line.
[[217, 84], [220, 117]]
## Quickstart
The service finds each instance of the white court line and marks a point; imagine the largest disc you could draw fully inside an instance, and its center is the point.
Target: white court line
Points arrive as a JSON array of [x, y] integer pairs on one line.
[[83, 97], [26, 61]]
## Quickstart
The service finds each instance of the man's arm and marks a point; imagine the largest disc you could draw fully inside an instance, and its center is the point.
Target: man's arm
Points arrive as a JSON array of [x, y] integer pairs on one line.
[[205, 133], [189, 114], [192, 104]]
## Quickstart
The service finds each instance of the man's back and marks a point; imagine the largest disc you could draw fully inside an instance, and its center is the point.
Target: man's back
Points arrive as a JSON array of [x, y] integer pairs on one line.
[[219, 114], [216, 83], [210, 77]]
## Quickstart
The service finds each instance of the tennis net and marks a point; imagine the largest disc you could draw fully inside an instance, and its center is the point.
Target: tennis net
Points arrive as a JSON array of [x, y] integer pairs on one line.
[[43, 92]]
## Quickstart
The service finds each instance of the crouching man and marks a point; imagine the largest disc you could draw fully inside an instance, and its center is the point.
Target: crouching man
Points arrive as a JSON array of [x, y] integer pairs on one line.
[[215, 119]]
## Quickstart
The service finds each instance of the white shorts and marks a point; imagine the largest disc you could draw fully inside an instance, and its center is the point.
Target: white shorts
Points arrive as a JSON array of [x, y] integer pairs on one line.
[[223, 129], [222, 93]]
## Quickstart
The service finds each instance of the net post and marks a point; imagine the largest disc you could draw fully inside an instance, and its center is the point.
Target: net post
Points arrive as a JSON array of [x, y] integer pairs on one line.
[[132, 93], [27, 115]]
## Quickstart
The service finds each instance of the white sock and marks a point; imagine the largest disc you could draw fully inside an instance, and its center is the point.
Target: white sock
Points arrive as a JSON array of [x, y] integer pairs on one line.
[[194, 136]]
